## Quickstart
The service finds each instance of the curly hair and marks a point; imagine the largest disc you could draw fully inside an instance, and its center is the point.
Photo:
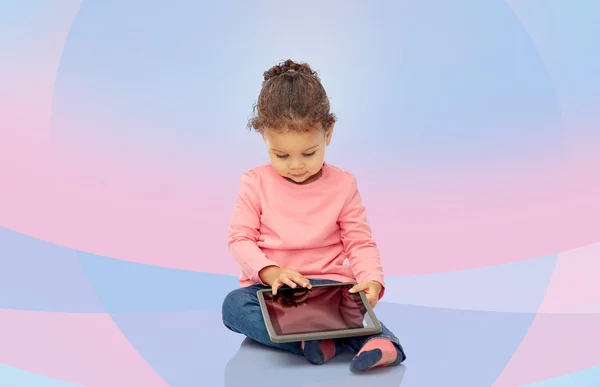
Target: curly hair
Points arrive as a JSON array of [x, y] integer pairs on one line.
[[292, 98]]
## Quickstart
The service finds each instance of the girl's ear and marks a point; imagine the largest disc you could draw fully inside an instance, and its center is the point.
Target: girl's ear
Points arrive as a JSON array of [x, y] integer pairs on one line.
[[328, 135]]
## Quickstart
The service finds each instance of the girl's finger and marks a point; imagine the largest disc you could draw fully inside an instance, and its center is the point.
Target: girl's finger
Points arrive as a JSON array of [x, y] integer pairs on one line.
[[300, 280], [372, 301], [288, 282], [358, 288], [276, 285]]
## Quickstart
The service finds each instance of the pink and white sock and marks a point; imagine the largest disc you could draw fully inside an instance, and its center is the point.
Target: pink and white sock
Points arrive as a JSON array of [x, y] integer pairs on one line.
[[319, 351], [376, 353]]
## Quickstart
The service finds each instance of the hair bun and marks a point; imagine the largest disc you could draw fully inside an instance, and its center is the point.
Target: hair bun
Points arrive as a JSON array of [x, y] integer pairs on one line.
[[289, 66]]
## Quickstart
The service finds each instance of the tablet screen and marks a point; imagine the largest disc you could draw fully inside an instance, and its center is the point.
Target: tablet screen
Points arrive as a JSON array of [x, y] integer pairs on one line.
[[320, 309]]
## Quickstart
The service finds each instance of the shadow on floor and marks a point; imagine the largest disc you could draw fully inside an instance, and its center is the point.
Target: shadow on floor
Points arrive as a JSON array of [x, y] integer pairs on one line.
[[257, 364]]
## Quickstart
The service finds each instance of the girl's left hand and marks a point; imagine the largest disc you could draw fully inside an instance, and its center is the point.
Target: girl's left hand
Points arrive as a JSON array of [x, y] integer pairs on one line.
[[371, 289]]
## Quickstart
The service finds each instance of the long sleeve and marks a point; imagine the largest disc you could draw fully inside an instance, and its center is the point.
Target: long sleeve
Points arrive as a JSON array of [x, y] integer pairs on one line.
[[244, 230], [359, 246]]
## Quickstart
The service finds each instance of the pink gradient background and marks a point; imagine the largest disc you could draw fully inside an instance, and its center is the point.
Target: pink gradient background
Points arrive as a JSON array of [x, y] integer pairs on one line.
[[563, 337], [91, 205], [77, 197], [90, 345], [150, 207]]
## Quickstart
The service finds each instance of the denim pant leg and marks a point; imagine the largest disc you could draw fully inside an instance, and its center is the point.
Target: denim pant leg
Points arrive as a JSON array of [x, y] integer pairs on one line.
[[242, 314], [356, 343]]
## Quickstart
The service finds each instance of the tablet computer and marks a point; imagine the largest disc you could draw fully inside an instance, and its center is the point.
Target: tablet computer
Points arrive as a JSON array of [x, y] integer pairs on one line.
[[327, 311]]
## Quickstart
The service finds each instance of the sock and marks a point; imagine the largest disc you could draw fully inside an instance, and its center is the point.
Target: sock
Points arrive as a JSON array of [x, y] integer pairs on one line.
[[376, 353], [319, 351]]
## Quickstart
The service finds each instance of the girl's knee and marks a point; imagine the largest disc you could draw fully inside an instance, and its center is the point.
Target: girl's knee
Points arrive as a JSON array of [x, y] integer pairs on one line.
[[237, 303]]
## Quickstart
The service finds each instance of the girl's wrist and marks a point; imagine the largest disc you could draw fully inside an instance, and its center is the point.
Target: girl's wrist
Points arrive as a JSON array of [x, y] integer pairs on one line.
[[269, 274]]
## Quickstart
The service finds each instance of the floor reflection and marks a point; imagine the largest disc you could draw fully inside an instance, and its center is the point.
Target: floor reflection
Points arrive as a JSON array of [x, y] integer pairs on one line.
[[254, 363]]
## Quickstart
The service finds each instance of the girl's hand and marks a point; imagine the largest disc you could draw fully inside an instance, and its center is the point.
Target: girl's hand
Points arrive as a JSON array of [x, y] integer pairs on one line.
[[276, 277], [371, 289]]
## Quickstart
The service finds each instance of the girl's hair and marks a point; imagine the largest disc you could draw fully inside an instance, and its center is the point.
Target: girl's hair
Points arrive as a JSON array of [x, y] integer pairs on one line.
[[292, 98]]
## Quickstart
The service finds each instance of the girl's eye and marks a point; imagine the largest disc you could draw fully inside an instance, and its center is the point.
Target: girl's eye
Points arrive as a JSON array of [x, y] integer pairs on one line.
[[282, 157], [310, 154]]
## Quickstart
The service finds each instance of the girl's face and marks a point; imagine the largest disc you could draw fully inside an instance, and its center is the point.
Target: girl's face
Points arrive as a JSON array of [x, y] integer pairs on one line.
[[297, 156]]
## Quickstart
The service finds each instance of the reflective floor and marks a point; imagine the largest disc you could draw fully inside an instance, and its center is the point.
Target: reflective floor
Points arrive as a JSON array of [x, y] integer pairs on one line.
[[70, 318]]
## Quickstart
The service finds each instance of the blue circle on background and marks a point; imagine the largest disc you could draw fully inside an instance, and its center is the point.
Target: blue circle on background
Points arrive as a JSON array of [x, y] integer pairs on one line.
[[415, 84]]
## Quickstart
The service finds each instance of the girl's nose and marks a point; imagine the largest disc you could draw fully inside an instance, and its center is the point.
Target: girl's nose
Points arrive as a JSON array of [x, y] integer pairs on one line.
[[296, 164]]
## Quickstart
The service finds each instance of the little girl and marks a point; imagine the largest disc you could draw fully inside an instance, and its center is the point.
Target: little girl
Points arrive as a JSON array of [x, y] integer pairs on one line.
[[297, 219]]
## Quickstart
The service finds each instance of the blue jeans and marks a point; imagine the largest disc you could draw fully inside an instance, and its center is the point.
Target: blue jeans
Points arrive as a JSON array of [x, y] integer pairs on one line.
[[242, 314]]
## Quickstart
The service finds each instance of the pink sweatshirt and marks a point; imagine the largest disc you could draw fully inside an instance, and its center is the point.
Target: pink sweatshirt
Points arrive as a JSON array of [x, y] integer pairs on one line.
[[309, 228]]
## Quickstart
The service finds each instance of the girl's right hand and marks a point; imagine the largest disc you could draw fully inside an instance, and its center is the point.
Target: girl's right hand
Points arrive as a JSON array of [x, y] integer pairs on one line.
[[276, 277]]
